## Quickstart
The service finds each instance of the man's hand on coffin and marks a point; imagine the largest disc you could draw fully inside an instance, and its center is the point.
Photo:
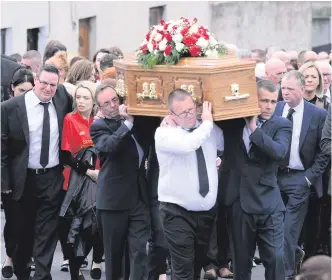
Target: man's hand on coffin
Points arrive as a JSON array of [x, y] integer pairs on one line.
[[251, 123], [123, 113], [207, 111]]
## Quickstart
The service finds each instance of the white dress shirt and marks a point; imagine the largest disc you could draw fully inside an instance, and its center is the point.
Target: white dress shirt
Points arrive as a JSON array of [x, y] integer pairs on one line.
[[328, 95], [35, 113], [295, 160], [178, 175], [140, 152]]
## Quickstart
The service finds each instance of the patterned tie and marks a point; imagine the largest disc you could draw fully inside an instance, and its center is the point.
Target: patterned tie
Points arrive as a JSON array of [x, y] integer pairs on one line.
[[45, 147], [285, 162]]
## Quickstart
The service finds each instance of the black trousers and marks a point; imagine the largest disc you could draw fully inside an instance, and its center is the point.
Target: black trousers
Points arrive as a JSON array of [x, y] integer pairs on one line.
[[247, 229], [158, 249], [224, 254], [37, 221], [211, 261], [188, 235], [9, 232], [117, 227]]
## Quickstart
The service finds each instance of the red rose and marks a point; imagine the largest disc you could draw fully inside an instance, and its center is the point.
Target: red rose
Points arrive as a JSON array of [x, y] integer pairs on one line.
[[184, 31], [195, 20], [144, 48], [194, 50], [166, 26], [154, 44], [162, 22], [175, 27], [168, 49], [147, 37], [189, 41], [168, 37]]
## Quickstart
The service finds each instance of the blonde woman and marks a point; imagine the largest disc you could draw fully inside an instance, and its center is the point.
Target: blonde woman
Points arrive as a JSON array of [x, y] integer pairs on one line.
[[314, 86], [75, 137], [82, 70]]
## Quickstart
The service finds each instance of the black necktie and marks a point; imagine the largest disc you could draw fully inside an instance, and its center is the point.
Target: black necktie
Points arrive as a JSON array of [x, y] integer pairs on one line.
[[285, 162], [45, 147], [202, 171]]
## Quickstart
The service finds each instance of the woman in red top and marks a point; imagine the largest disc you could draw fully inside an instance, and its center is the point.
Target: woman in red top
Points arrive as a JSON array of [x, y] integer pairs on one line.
[[76, 136]]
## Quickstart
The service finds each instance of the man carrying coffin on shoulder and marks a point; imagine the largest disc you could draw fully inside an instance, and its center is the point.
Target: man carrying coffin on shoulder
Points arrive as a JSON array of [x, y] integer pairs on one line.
[[248, 186], [188, 182]]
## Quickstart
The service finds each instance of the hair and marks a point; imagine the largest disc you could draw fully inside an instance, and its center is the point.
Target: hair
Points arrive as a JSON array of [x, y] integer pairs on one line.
[[75, 59], [107, 61], [32, 54], [294, 63], [50, 68], [16, 56], [297, 75], [116, 51], [70, 88], [104, 86], [100, 51], [108, 73], [109, 81], [91, 87], [52, 48], [316, 268], [261, 53], [22, 75], [300, 57], [80, 71], [59, 59], [311, 64], [178, 94], [267, 85]]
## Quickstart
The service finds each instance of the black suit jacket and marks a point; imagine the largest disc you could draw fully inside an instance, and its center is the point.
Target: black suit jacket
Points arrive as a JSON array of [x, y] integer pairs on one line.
[[251, 177], [8, 67], [15, 138], [313, 159], [121, 180]]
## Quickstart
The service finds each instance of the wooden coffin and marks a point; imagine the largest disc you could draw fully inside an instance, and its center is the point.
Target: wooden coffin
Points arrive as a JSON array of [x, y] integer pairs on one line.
[[227, 82]]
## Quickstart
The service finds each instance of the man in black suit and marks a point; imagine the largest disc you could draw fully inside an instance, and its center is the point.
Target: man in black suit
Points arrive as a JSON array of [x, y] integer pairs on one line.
[[248, 186], [31, 126], [305, 162], [122, 197]]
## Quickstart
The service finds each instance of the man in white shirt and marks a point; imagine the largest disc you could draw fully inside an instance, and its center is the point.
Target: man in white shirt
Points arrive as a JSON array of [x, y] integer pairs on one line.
[[188, 182], [305, 164]]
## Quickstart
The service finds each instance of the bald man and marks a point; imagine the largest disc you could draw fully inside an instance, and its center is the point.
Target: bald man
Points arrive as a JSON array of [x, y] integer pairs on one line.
[[326, 70], [323, 56], [285, 58], [305, 56], [293, 55], [275, 69]]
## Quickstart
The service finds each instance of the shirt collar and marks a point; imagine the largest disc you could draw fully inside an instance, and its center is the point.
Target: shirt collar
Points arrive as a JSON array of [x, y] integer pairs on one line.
[[33, 99]]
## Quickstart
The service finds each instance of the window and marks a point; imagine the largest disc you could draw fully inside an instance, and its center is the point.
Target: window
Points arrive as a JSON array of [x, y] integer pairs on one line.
[[321, 34], [156, 15], [32, 39], [3, 40]]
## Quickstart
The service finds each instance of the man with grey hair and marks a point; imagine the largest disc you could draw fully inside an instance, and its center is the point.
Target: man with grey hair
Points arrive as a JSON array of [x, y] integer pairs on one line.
[[275, 69], [32, 59], [188, 182], [304, 165], [285, 58], [305, 56], [323, 56]]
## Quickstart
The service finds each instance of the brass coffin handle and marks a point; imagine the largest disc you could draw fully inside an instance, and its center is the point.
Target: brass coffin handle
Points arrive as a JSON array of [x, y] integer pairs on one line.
[[149, 92], [235, 89], [190, 89]]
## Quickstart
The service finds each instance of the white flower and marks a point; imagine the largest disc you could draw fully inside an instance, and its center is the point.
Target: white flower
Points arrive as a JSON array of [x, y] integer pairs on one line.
[[179, 47], [170, 27], [193, 29], [177, 38], [202, 43], [212, 41], [211, 53], [158, 37], [143, 43], [150, 47], [153, 34], [155, 51], [162, 45]]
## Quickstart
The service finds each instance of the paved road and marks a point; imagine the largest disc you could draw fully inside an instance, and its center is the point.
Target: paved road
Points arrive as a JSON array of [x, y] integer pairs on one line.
[[258, 272]]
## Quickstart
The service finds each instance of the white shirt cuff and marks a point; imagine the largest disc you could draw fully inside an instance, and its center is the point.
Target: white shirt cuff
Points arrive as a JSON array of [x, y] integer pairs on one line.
[[128, 124], [309, 183]]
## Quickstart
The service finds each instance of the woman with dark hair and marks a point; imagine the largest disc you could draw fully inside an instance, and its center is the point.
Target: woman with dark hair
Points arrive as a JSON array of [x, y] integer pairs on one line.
[[22, 81], [52, 48], [96, 61]]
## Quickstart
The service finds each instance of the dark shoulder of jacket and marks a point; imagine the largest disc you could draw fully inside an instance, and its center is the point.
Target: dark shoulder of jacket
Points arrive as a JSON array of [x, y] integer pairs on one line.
[[11, 102], [283, 122], [231, 124]]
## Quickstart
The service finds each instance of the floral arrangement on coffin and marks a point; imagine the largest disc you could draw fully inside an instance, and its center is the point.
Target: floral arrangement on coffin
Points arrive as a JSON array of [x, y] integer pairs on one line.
[[167, 42]]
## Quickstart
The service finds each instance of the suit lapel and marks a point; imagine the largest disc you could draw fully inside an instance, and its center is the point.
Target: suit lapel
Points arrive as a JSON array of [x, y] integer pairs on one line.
[[279, 109], [305, 123], [23, 116], [59, 114]]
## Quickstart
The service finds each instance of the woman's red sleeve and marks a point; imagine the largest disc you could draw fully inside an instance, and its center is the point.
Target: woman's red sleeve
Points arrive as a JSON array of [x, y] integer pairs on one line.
[[67, 134]]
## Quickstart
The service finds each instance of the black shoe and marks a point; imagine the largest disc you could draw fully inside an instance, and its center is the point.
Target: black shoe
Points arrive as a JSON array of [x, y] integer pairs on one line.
[[81, 277], [95, 273], [210, 275], [7, 271]]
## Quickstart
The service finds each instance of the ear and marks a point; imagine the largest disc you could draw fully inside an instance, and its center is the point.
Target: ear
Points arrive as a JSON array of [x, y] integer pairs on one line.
[[35, 78]]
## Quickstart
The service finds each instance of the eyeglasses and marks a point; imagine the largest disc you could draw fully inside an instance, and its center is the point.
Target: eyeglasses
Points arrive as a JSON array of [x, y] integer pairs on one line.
[[114, 100], [185, 114], [45, 84], [326, 75]]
